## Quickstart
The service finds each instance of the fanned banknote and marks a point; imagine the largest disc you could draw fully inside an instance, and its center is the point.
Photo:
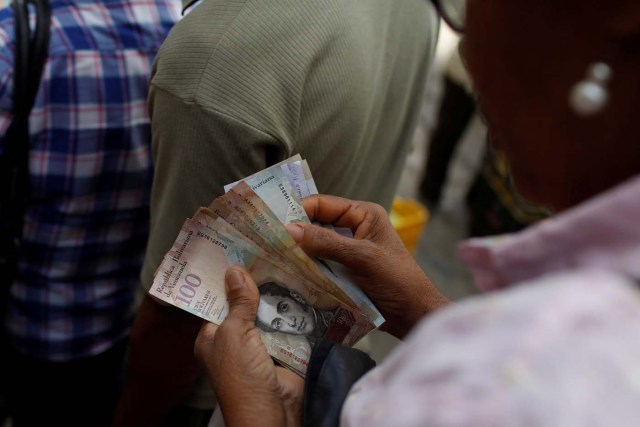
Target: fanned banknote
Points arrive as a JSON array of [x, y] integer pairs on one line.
[[247, 204], [302, 300], [297, 171], [275, 189], [292, 316]]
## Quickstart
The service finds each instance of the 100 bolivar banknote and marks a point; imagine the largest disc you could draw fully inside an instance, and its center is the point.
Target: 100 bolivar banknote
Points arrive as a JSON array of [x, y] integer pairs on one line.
[[298, 185], [298, 303]]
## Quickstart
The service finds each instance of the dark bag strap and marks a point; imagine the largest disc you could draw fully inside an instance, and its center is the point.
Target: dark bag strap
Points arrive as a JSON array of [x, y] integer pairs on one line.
[[332, 371], [31, 51]]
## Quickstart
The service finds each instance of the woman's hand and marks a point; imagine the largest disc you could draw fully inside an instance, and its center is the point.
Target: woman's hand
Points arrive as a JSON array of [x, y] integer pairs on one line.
[[376, 258], [251, 390]]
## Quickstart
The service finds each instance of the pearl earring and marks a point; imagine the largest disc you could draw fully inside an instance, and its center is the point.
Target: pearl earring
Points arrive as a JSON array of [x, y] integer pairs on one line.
[[590, 96]]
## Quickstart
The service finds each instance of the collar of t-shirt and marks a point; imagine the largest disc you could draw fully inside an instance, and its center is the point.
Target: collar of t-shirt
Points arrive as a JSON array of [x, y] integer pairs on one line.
[[602, 233], [189, 5]]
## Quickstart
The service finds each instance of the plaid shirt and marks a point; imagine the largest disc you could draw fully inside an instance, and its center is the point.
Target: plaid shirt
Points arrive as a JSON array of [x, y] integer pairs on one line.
[[86, 227]]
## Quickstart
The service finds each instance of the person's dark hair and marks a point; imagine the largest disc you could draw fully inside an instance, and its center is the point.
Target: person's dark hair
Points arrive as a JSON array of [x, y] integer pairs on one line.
[[275, 289]]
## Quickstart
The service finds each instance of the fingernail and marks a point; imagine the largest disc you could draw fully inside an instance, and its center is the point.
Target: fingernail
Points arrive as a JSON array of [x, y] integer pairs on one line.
[[234, 280], [296, 231]]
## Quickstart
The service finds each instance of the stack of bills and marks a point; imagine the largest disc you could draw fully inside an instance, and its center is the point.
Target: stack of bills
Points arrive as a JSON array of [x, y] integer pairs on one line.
[[302, 300]]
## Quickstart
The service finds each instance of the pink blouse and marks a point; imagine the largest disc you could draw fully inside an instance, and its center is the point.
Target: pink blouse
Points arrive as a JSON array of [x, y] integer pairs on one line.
[[562, 348]]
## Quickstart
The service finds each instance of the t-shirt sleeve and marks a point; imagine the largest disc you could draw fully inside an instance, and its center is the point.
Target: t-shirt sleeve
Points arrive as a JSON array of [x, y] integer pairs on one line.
[[196, 152]]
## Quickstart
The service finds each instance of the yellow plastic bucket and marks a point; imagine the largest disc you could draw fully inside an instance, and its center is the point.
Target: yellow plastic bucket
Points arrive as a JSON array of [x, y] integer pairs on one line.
[[409, 218]]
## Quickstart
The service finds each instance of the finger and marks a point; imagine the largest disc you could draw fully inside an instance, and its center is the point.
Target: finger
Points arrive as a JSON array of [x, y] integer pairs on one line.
[[291, 382], [243, 296], [292, 392], [324, 243], [342, 212], [333, 210], [205, 340]]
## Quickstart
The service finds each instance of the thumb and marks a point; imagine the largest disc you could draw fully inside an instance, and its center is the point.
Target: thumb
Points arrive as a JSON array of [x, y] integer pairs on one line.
[[205, 341], [325, 243], [242, 295]]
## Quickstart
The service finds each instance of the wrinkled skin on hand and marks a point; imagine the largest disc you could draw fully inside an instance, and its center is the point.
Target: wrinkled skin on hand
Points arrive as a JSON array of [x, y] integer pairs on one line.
[[251, 389], [376, 258]]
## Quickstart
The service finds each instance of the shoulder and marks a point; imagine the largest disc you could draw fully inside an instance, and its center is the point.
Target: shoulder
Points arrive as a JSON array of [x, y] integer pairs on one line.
[[239, 58], [569, 298], [528, 351], [188, 49], [254, 59]]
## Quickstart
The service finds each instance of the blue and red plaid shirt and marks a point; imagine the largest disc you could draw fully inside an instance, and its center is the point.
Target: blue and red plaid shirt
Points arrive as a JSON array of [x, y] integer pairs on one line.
[[86, 227]]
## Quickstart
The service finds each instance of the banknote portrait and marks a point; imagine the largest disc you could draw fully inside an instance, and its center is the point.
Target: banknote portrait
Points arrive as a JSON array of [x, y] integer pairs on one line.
[[286, 311]]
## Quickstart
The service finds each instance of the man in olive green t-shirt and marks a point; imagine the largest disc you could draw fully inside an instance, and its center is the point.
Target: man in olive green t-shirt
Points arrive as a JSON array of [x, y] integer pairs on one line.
[[242, 84]]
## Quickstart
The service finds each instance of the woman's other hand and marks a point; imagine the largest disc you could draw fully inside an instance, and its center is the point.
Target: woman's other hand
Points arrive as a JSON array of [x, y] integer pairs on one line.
[[251, 390], [376, 258]]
